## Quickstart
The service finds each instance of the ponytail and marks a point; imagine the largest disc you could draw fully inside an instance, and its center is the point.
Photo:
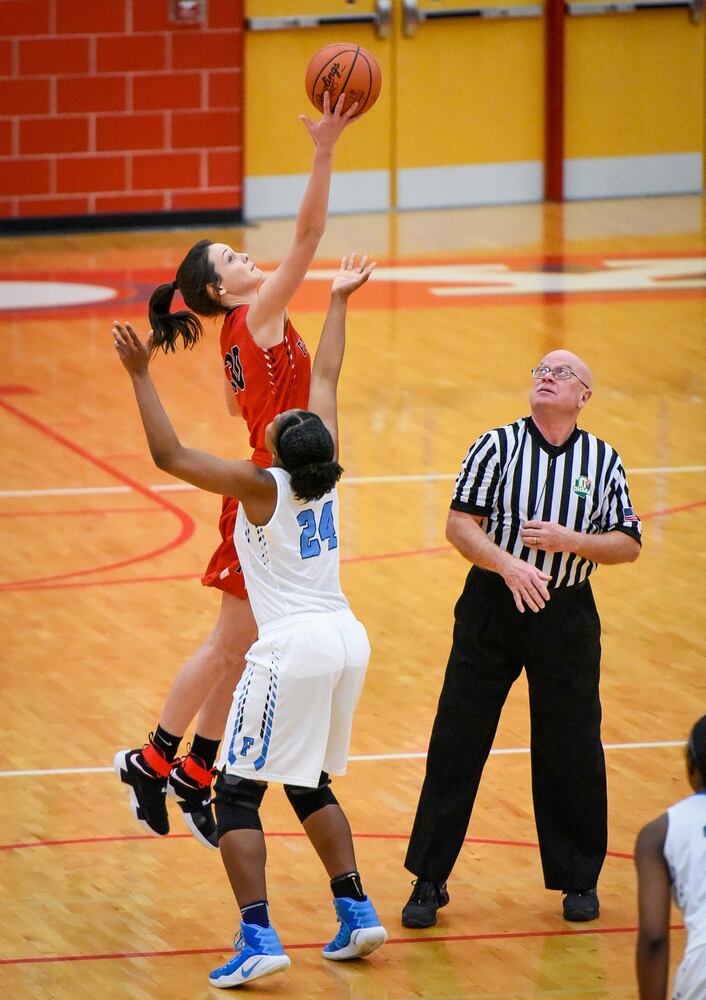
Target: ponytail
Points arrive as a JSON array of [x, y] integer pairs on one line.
[[197, 280], [167, 326]]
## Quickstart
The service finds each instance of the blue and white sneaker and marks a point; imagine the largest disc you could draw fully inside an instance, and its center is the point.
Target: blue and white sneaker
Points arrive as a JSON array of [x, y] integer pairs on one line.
[[360, 932], [258, 953]]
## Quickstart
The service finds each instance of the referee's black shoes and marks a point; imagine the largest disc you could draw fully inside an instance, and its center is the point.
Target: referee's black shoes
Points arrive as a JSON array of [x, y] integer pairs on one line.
[[427, 897], [580, 906]]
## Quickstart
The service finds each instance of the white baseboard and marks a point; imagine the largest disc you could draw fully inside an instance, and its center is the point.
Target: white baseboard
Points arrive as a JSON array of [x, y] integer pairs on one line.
[[351, 191], [470, 184], [620, 176], [278, 196]]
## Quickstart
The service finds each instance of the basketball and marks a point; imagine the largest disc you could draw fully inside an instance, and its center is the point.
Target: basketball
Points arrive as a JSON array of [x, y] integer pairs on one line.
[[341, 67]]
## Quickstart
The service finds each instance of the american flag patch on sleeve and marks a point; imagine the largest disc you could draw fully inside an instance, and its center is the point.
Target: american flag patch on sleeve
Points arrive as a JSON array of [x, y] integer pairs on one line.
[[630, 515]]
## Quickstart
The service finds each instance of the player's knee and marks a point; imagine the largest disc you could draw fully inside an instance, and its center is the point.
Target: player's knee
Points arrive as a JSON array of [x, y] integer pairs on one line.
[[306, 801], [237, 802]]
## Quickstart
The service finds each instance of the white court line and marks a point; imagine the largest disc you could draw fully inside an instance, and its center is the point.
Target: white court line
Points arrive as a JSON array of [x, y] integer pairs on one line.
[[355, 759], [429, 477]]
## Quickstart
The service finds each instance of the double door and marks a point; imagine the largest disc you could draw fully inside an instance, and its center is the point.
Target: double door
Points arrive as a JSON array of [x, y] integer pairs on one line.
[[465, 116]]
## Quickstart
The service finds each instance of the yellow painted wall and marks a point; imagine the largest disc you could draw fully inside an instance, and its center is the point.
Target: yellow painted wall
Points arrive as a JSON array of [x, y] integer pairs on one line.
[[471, 91], [275, 63], [466, 91], [634, 84]]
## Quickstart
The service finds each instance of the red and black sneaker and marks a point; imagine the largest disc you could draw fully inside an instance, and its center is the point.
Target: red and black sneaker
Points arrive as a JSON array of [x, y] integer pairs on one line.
[[145, 772], [190, 784]]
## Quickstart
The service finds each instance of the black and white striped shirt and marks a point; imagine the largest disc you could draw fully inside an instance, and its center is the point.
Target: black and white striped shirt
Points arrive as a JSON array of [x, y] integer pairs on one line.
[[512, 475]]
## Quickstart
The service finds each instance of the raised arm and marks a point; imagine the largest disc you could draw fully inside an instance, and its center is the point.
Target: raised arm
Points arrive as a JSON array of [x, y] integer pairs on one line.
[[227, 477], [652, 954], [329, 354], [265, 314]]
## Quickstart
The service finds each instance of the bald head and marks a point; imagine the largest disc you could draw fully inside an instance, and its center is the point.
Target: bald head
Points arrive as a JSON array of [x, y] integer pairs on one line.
[[556, 358], [557, 401]]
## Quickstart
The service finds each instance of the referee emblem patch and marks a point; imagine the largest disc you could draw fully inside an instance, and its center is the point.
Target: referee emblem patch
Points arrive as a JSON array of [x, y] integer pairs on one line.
[[583, 486]]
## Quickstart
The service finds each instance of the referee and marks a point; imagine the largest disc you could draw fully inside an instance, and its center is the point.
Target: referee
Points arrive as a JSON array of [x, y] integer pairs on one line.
[[537, 505]]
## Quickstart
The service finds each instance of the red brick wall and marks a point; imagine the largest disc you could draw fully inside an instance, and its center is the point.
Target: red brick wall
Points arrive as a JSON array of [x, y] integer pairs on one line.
[[108, 106]]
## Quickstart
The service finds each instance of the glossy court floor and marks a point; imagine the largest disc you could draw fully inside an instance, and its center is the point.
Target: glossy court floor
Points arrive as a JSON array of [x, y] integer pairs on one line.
[[100, 599]]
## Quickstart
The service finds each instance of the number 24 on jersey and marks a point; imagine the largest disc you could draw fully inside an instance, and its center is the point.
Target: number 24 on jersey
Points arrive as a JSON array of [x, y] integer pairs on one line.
[[309, 544]]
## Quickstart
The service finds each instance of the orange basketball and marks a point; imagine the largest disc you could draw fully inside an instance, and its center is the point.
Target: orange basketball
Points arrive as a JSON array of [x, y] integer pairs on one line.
[[341, 67]]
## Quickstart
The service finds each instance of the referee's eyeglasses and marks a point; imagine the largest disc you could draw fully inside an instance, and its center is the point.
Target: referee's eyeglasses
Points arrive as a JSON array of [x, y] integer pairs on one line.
[[561, 373]]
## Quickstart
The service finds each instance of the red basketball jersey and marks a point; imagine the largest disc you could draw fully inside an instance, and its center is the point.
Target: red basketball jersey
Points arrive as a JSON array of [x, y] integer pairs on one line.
[[266, 382]]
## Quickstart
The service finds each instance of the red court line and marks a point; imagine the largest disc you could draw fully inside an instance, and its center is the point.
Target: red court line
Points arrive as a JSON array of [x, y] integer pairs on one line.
[[117, 839], [16, 390], [91, 840], [42, 583], [403, 554], [622, 855], [187, 524], [50, 585], [487, 936], [673, 510], [290, 946], [432, 550]]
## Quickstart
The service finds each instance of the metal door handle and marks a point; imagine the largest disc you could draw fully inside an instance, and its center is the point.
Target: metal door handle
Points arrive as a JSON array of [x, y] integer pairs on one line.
[[592, 7], [412, 15], [380, 17]]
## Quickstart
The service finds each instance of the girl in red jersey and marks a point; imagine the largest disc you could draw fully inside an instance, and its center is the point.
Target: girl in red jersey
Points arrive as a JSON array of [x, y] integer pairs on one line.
[[267, 371]]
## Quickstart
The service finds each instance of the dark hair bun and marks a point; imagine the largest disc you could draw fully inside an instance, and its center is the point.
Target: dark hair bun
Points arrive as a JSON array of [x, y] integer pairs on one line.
[[306, 449], [312, 481]]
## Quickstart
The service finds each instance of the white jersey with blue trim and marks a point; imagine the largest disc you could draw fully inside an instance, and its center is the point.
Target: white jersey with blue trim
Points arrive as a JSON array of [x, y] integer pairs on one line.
[[291, 564], [685, 854]]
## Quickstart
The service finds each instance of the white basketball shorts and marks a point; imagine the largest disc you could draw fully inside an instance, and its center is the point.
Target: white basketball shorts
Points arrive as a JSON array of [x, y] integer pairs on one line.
[[293, 707]]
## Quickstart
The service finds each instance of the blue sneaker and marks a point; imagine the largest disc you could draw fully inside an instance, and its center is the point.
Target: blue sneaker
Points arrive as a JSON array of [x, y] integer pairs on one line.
[[258, 953], [360, 932]]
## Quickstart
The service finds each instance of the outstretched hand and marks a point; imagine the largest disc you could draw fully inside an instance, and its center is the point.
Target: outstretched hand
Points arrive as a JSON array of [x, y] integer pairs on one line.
[[352, 275], [133, 352], [326, 131]]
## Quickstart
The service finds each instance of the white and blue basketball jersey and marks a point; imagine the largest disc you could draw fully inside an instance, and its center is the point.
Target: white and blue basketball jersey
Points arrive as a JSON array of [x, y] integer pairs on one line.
[[293, 707], [291, 564], [685, 854]]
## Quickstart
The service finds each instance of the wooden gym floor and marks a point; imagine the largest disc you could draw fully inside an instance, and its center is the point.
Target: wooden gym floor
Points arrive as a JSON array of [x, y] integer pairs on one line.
[[101, 600]]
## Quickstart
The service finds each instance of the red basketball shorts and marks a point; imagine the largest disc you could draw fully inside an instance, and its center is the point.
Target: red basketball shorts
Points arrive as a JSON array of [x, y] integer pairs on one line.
[[223, 570]]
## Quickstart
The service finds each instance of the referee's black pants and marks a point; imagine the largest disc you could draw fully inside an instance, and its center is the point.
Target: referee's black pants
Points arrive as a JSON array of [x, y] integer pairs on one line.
[[560, 649]]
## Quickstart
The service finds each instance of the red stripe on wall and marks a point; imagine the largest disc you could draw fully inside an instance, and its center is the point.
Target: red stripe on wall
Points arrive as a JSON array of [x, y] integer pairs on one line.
[[554, 101]]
